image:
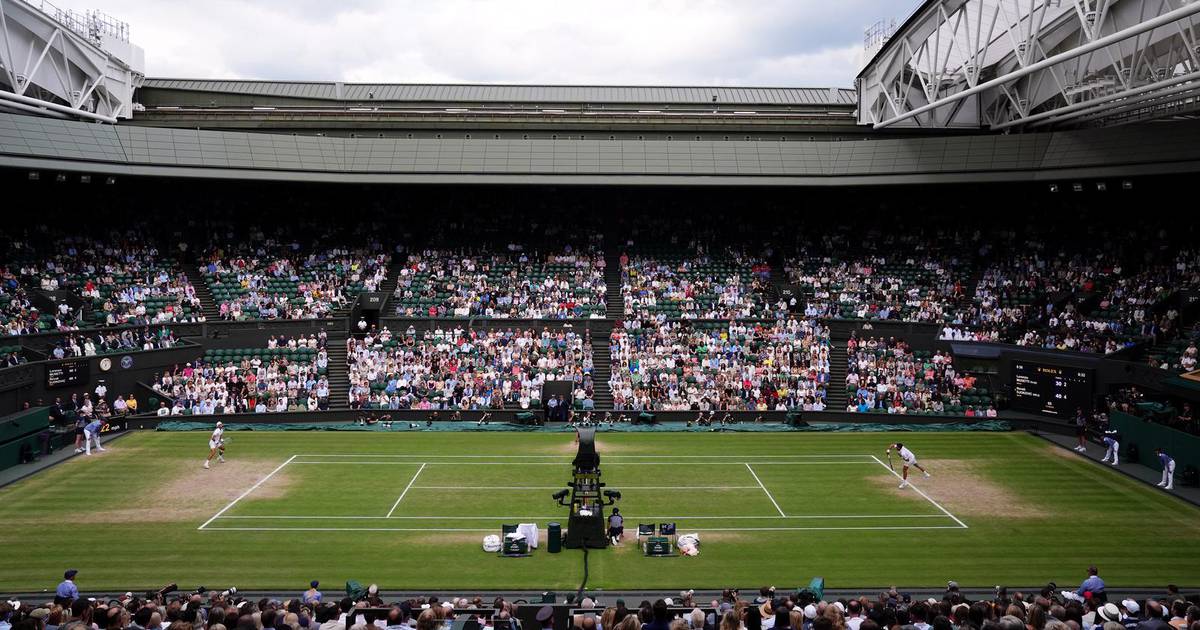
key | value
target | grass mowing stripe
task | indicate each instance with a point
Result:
(920, 492)
(1041, 495)
(244, 494)
(764, 489)
(410, 485)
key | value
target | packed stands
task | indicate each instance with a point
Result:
(98, 343)
(1178, 355)
(1049, 608)
(720, 365)
(667, 285)
(121, 278)
(461, 368)
(874, 287)
(566, 284)
(17, 314)
(886, 376)
(288, 285)
(287, 377)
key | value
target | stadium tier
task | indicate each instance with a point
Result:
(923, 353)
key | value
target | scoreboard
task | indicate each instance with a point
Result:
(1051, 389)
(66, 374)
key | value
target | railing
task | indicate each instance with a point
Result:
(90, 24)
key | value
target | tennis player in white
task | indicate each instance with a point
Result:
(908, 458)
(216, 445)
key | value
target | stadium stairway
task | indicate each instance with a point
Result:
(601, 372)
(614, 305)
(339, 373)
(835, 395)
(208, 304)
(389, 286)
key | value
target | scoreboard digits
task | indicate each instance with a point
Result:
(66, 374)
(1051, 389)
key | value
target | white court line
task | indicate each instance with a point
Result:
(811, 529)
(244, 494)
(569, 459)
(448, 529)
(550, 518)
(568, 486)
(920, 492)
(764, 489)
(608, 465)
(406, 489)
(347, 529)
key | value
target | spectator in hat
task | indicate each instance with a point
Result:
(1107, 613)
(67, 592)
(766, 611)
(1132, 614)
(312, 595)
(545, 616)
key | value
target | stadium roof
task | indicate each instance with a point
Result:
(1002, 64)
(60, 145)
(338, 91)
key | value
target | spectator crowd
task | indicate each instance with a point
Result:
(1089, 607)
(460, 368)
(729, 366)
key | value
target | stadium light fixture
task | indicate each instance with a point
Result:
(1053, 188)
(85, 179)
(110, 181)
(34, 176)
(1126, 185)
(60, 178)
(1077, 187)
(1101, 187)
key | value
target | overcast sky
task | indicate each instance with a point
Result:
(814, 43)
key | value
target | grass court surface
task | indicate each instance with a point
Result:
(408, 511)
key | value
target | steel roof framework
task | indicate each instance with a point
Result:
(63, 64)
(1003, 64)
